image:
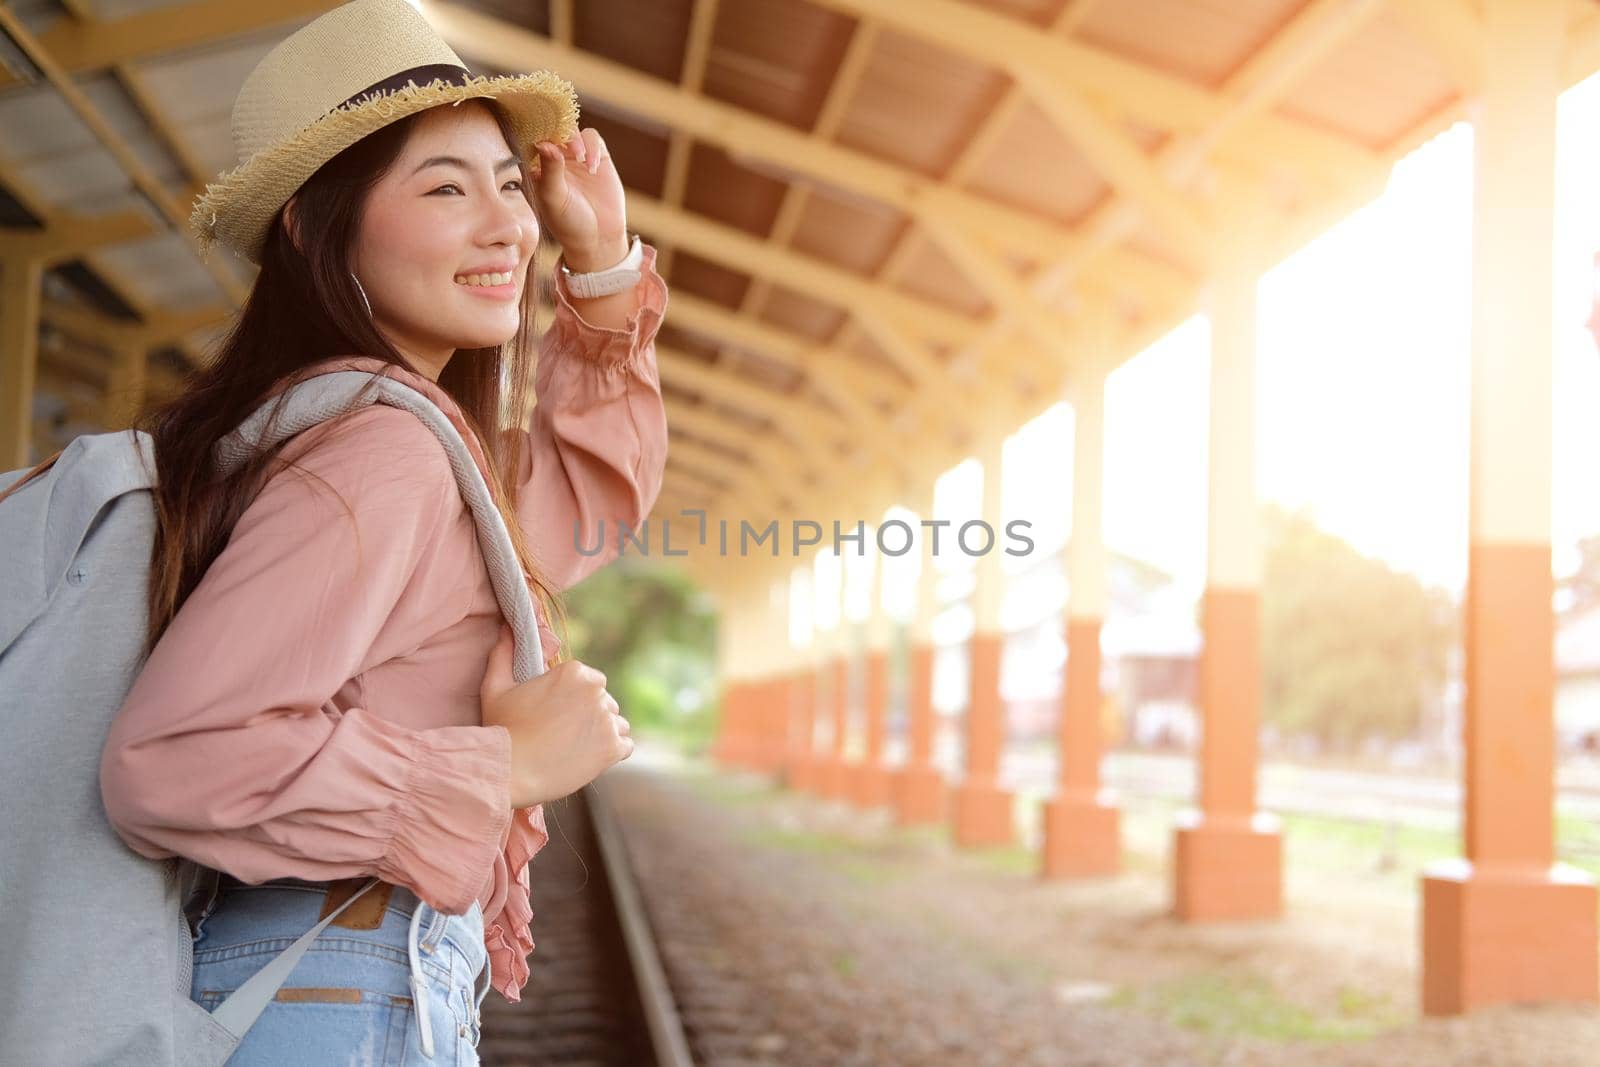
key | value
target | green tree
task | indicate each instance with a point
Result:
(1351, 648)
(653, 633)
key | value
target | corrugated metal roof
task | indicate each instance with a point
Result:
(915, 174)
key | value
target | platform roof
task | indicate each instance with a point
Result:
(890, 227)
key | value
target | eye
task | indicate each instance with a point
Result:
(514, 183)
(446, 185)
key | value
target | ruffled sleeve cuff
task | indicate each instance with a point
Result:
(452, 822)
(611, 348)
(509, 938)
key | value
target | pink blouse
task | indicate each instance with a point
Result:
(312, 711)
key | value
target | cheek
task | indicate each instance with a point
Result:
(405, 262)
(529, 246)
(528, 219)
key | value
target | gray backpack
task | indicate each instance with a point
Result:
(98, 951)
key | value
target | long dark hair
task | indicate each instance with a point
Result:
(304, 307)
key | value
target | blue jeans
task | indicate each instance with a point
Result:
(356, 996)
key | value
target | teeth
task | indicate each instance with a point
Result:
(498, 278)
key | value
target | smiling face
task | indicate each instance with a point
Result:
(445, 239)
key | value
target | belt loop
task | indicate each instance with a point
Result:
(437, 920)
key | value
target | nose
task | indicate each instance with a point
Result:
(506, 221)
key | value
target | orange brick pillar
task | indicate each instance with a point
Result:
(853, 607)
(828, 616)
(770, 655)
(745, 750)
(731, 742)
(983, 811)
(775, 754)
(724, 746)
(1228, 858)
(1082, 835)
(871, 784)
(920, 795)
(1508, 923)
(801, 748)
(813, 772)
(803, 693)
(767, 748)
(832, 779)
(773, 723)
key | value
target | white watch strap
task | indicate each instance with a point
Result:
(624, 275)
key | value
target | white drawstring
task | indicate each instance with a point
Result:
(477, 1008)
(419, 986)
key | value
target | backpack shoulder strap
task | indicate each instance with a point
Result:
(326, 396)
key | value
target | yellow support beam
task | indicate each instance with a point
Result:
(817, 277)
(774, 457)
(810, 421)
(86, 46)
(66, 237)
(1123, 165)
(1152, 97)
(1453, 31)
(696, 52)
(699, 315)
(127, 387)
(20, 281)
(143, 178)
(748, 135)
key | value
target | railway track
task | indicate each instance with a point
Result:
(597, 995)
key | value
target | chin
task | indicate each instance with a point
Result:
(484, 338)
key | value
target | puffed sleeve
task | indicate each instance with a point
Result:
(596, 448)
(229, 749)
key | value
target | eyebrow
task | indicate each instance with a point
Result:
(457, 161)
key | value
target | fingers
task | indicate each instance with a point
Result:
(581, 672)
(585, 147)
(614, 709)
(594, 149)
(548, 161)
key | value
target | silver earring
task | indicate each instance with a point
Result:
(363, 293)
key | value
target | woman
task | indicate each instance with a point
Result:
(327, 696)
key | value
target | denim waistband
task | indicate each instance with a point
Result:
(405, 903)
(401, 899)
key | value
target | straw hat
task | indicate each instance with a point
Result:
(347, 73)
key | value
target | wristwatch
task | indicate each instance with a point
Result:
(615, 279)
